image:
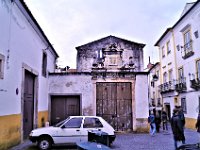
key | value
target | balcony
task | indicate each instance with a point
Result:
(180, 85)
(166, 87)
(194, 82)
(187, 50)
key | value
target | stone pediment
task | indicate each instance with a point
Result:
(109, 41)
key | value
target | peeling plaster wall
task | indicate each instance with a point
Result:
(82, 84)
(75, 85)
(86, 54)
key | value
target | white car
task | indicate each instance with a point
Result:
(72, 130)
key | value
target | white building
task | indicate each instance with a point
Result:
(155, 100)
(26, 57)
(109, 82)
(180, 63)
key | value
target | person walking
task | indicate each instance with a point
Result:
(151, 120)
(164, 121)
(177, 128)
(157, 122)
(182, 117)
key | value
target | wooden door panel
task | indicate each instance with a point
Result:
(115, 105)
(63, 107)
(28, 110)
(57, 109)
(72, 106)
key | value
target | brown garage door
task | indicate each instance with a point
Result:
(63, 107)
(114, 104)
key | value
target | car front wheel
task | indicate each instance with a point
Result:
(44, 143)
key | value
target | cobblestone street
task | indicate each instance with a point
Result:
(130, 141)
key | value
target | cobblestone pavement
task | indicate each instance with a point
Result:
(132, 141)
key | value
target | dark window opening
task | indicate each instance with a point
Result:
(44, 64)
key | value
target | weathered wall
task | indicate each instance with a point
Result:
(10, 126)
(75, 85)
(86, 54)
(82, 84)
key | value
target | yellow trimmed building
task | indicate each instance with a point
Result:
(26, 56)
(179, 53)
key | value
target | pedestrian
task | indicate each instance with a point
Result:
(164, 121)
(197, 125)
(182, 117)
(157, 122)
(177, 128)
(151, 120)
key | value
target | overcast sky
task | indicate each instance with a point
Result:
(71, 23)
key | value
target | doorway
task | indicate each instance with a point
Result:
(28, 107)
(114, 104)
(63, 107)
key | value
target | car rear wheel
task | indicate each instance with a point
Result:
(44, 143)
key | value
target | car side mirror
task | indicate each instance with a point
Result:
(62, 127)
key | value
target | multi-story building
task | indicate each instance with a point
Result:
(180, 63)
(109, 82)
(155, 101)
(26, 57)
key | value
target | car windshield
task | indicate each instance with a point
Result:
(60, 123)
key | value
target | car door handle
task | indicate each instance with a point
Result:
(77, 130)
(99, 129)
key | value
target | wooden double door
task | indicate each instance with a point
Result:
(114, 104)
(63, 107)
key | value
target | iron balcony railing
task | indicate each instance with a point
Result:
(195, 81)
(187, 51)
(180, 85)
(167, 87)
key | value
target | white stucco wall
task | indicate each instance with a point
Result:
(75, 85)
(20, 43)
(192, 21)
(141, 96)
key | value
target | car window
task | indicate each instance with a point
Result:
(73, 123)
(92, 123)
(60, 123)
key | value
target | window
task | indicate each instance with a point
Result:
(159, 102)
(157, 73)
(152, 84)
(183, 104)
(187, 40)
(74, 123)
(2, 60)
(44, 64)
(163, 51)
(168, 47)
(198, 68)
(99, 54)
(170, 75)
(165, 77)
(92, 123)
(154, 95)
(180, 74)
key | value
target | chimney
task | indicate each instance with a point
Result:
(149, 64)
